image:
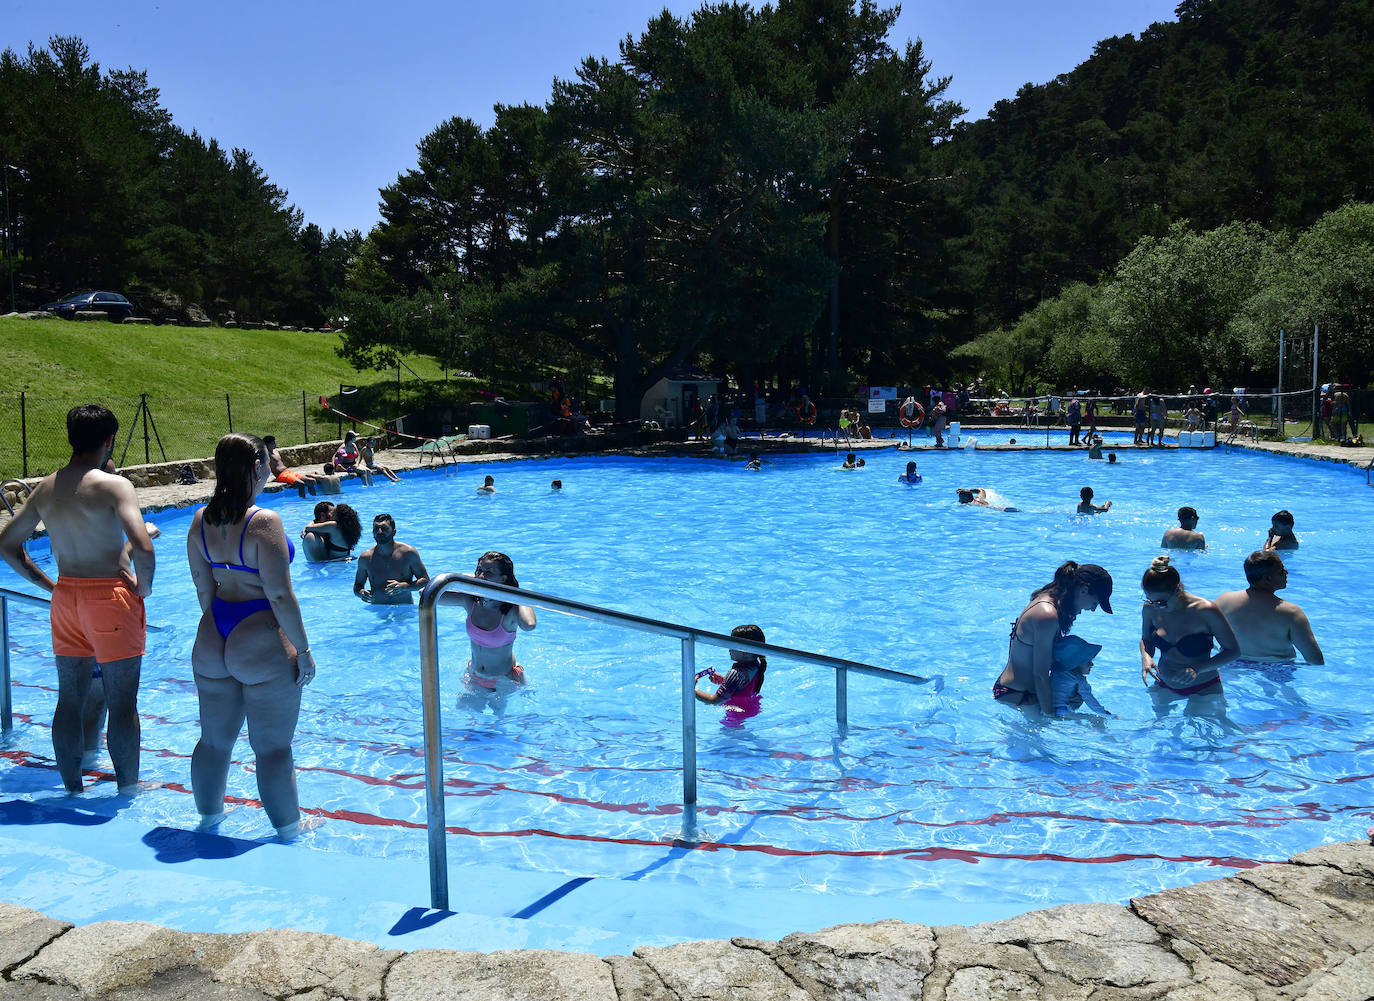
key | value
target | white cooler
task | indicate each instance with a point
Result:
(476, 431)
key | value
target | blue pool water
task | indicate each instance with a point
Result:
(939, 806)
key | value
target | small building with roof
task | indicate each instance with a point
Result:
(671, 400)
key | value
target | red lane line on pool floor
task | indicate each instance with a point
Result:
(913, 854)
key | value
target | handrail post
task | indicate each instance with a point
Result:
(6, 704)
(689, 739)
(434, 758)
(842, 700)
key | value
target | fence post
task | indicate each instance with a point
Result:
(230, 411)
(24, 432)
(305, 422)
(340, 404)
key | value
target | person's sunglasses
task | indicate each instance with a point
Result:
(1157, 602)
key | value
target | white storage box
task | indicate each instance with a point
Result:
(1185, 439)
(479, 431)
(1209, 438)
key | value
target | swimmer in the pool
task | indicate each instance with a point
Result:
(492, 672)
(393, 568)
(488, 486)
(1178, 631)
(333, 533)
(849, 462)
(1281, 535)
(979, 497)
(745, 677)
(1086, 505)
(910, 477)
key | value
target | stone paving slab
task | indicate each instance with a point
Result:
(1297, 931)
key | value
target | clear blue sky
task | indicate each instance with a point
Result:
(332, 98)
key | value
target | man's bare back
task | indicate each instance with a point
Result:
(88, 514)
(1268, 627)
(1182, 538)
(97, 608)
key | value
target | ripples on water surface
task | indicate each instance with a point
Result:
(937, 790)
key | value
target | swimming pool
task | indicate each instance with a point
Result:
(940, 806)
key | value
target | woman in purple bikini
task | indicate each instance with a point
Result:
(492, 672)
(251, 657)
(1177, 633)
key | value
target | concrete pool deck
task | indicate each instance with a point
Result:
(1299, 930)
(1284, 931)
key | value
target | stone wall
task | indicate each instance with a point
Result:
(1302, 931)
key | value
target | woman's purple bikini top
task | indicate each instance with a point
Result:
(240, 565)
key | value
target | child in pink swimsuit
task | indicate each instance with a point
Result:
(492, 672)
(738, 690)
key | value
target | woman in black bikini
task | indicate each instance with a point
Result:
(1026, 678)
(1177, 633)
(333, 536)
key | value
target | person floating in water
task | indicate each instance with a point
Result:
(739, 689)
(979, 497)
(492, 672)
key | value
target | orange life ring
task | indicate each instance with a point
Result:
(914, 408)
(809, 414)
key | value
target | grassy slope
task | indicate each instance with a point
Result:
(186, 372)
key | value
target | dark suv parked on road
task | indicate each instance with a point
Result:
(118, 307)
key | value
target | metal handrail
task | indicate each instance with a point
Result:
(6, 596)
(689, 637)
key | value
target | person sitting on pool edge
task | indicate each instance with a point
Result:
(1268, 627)
(492, 673)
(333, 536)
(745, 678)
(1281, 532)
(910, 477)
(1086, 505)
(1186, 536)
(1073, 659)
(368, 460)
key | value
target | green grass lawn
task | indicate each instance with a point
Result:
(273, 381)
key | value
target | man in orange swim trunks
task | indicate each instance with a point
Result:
(97, 602)
(301, 481)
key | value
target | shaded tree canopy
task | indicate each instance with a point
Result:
(108, 193)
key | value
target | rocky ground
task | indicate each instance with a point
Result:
(1300, 930)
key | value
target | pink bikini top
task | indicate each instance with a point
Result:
(496, 636)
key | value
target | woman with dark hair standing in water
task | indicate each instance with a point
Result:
(1030, 653)
(251, 656)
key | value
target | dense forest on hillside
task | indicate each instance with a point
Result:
(780, 194)
(1243, 110)
(105, 191)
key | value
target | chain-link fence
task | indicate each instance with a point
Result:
(33, 429)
